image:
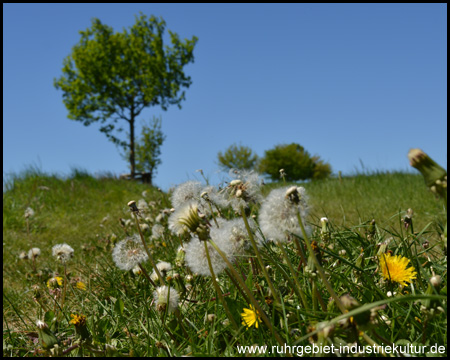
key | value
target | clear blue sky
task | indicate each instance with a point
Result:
(351, 83)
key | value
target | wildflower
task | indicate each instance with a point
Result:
(29, 213)
(144, 228)
(143, 206)
(433, 173)
(81, 285)
(394, 269)
(325, 232)
(129, 252)
(185, 193)
(23, 255)
(46, 337)
(137, 270)
(197, 260)
(163, 268)
(234, 233)
(436, 281)
(34, 253)
(188, 219)
(177, 220)
(165, 298)
(157, 231)
(250, 317)
(62, 252)
(243, 190)
(210, 195)
(278, 213)
(55, 282)
(79, 321)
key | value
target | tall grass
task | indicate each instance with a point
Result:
(91, 215)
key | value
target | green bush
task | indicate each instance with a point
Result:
(297, 163)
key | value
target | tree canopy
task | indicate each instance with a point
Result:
(237, 157)
(111, 77)
(297, 163)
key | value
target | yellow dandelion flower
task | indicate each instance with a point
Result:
(78, 320)
(81, 285)
(250, 317)
(55, 282)
(394, 269)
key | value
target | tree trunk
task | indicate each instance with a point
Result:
(132, 159)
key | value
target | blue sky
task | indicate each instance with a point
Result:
(352, 83)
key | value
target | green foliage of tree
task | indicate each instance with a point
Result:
(111, 77)
(297, 163)
(321, 170)
(237, 157)
(148, 149)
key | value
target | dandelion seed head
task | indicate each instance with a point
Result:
(157, 231)
(176, 219)
(245, 189)
(29, 213)
(166, 298)
(436, 281)
(129, 253)
(234, 233)
(197, 261)
(137, 270)
(186, 192)
(278, 214)
(163, 267)
(34, 253)
(41, 325)
(62, 252)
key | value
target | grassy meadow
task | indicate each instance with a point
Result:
(344, 281)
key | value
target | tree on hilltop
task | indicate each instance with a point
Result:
(296, 162)
(237, 157)
(111, 77)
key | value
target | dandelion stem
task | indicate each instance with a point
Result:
(300, 250)
(213, 215)
(161, 279)
(237, 285)
(217, 287)
(146, 275)
(258, 255)
(250, 295)
(65, 287)
(318, 267)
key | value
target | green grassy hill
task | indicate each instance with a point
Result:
(91, 215)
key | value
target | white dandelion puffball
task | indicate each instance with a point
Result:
(197, 261)
(163, 267)
(34, 253)
(186, 192)
(165, 298)
(278, 214)
(129, 253)
(29, 212)
(234, 233)
(62, 252)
